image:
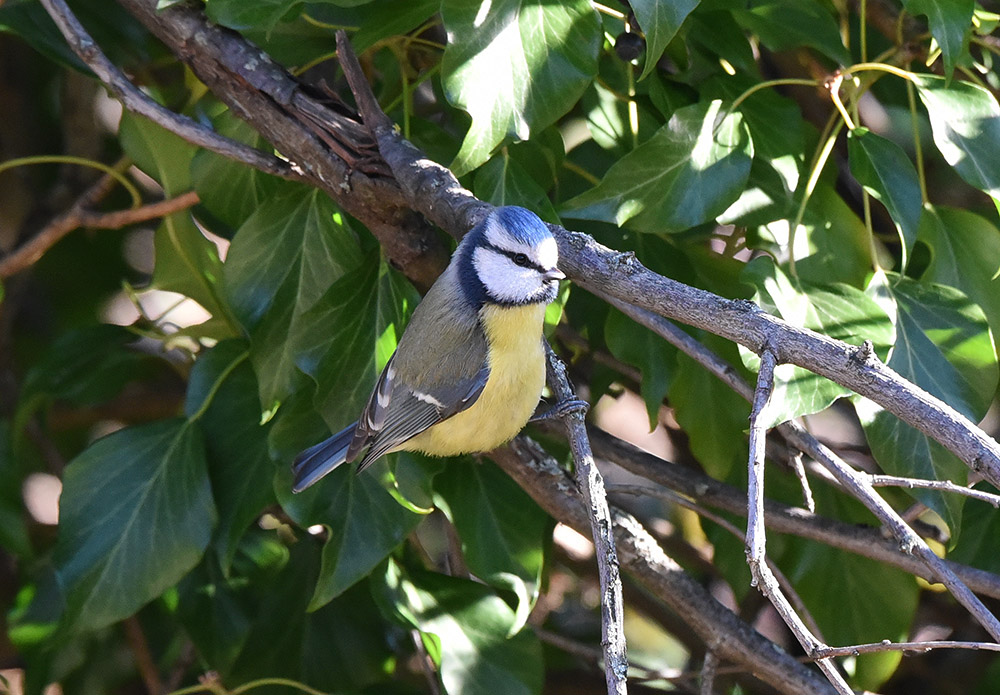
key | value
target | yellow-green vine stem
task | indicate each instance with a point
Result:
(203, 408)
(114, 172)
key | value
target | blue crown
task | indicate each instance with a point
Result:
(523, 225)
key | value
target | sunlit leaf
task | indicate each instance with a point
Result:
(885, 171)
(784, 24)
(501, 528)
(659, 22)
(515, 66)
(965, 121)
(362, 519)
(688, 173)
(943, 345)
(839, 311)
(950, 23)
(469, 627)
(283, 259)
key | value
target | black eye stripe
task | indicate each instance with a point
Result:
(513, 255)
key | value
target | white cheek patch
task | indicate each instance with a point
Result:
(504, 281)
(547, 253)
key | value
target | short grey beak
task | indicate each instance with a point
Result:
(554, 274)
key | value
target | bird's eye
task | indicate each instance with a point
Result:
(520, 259)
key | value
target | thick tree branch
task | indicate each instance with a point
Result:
(332, 149)
(723, 632)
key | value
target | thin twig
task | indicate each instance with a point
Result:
(856, 483)
(795, 461)
(426, 663)
(725, 524)
(591, 484)
(887, 646)
(84, 46)
(79, 216)
(143, 657)
(942, 485)
(756, 548)
(719, 628)
(708, 670)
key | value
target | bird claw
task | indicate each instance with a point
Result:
(561, 410)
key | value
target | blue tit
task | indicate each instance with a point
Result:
(469, 370)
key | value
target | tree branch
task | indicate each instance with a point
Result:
(722, 631)
(79, 216)
(136, 101)
(591, 484)
(763, 578)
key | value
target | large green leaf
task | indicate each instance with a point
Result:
(350, 333)
(342, 647)
(515, 66)
(839, 311)
(965, 253)
(230, 190)
(502, 530)
(784, 24)
(136, 514)
(965, 121)
(885, 171)
(186, 261)
(980, 530)
(283, 259)
(362, 519)
(886, 598)
(830, 246)
(466, 626)
(652, 355)
(950, 23)
(688, 173)
(717, 441)
(503, 181)
(943, 344)
(239, 465)
(659, 22)
(260, 14)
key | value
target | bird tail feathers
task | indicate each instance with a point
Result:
(319, 459)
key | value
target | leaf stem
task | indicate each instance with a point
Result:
(771, 83)
(918, 148)
(817, 169)
(210, 396)
(114, 172)
(834, 87)
(881, 67)
(863, 12)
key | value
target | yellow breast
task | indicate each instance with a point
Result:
(517, 376)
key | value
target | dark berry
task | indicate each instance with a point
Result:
(629, 46)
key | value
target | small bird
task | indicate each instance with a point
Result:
(469, 370)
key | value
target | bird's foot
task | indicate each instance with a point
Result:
(561, 410)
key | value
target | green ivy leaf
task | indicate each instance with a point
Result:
(136, 514)
(501, 528)
(391, 18)
(466, 626)
(885, 171)
(239, 465)
(980, 529)
(242, 16)
(345, 340)
(280, 264)
(784, 24)
(839, 311)
(342, 647)
(943, 345)
(688, 173)
(515, 66)
(950, 22)
(659, 22)
(230, 190)
(965, 254)
(362, 519)
(503, 181)
(717, 441)
(886, 597)
(186, 261)
(965, 122)
(652, 355)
